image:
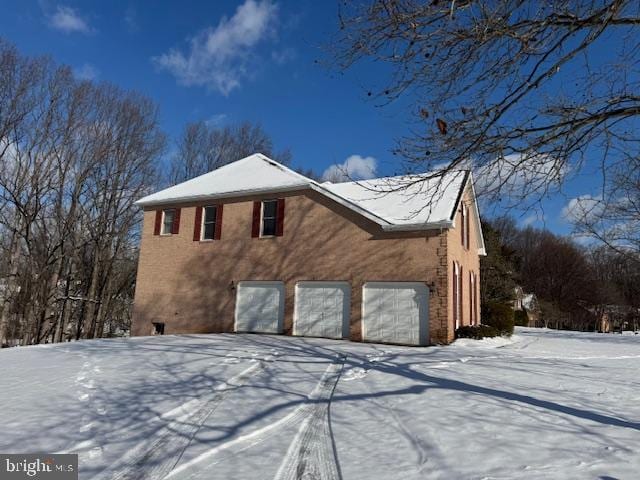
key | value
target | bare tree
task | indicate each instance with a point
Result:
(202, 148)
(527, 92)
(73, 158)
(612, 217)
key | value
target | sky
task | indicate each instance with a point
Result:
(264, 61)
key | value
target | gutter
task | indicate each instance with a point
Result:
(418, 226)
(237, 193)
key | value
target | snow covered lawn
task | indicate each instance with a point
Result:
(545, 404)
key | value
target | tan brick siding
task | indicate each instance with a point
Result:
(190, 285)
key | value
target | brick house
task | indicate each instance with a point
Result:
(256, 247)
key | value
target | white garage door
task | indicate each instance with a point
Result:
(260, 307)
(322, 309)
(395, 312)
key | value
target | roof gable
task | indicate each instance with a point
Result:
(253, 174)
(407, 202)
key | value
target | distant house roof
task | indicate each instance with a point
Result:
(409, 202)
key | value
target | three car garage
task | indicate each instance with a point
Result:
(392, 312)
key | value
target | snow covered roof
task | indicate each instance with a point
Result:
(408, 202)
(253, 174)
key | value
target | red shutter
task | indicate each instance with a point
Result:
(255, 228)
(455, 295)
(467, 227)
(175, 228)
(280, 218)
(461, 277)
(470, 298)
(158, 224)
(462, 225)
(476, 307)
(218, 231)
(197, 225)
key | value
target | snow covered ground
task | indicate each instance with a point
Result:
(544, 404)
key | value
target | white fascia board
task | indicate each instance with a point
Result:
(417, 226)
(481, 250)
(240, 193)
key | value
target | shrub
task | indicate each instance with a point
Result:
(477, 332)
(521, 318)
(499, 316)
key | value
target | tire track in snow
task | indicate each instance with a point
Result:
(319, 396)
(154, 459)
(312, 453)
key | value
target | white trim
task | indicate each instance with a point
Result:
(232, 194)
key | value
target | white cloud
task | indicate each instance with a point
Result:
(355, 167)
(68, 20)
(529, 220)
(216, 120)
(283, 56)
(131, 19)
(582, 208)
(218, 58)
(86, 72)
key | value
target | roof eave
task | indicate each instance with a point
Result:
(239, 193)
(397, 227)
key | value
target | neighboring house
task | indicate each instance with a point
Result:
(528, 303)
(615, 318)
(256, 247)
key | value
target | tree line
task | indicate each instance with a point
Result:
(574, 284)
(74, 157)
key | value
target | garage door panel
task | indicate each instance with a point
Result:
(260, 307)
(322, 309)
(395, 312)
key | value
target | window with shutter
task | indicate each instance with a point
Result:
(269, 218)
(168, 216)
(209, 222)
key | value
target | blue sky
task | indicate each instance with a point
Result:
(228, 61)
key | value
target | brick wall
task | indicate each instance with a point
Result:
(190, 285)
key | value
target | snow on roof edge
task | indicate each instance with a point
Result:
(309, 183)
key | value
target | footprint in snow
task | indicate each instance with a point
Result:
(87, 427)
(95, 452)
(355, 373)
